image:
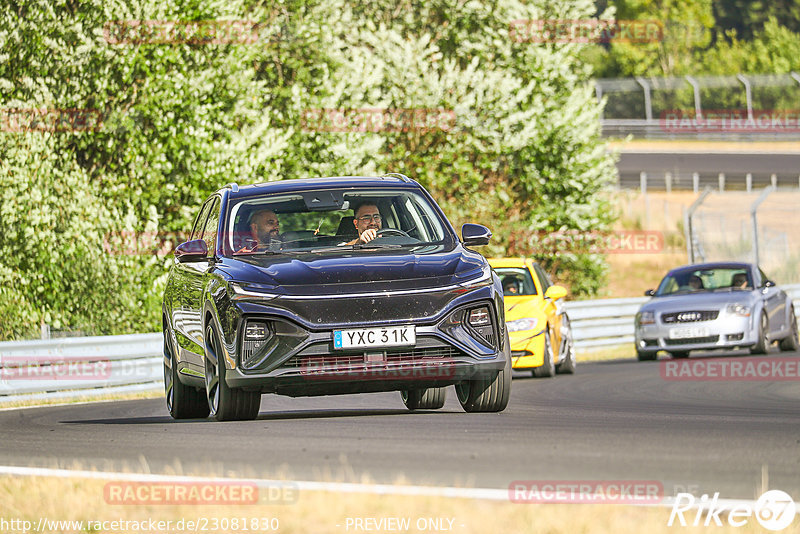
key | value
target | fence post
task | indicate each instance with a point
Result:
(695, 182)
(749, 181)
(698, 109)
(748, 95)
(648, 106)
(643, 182)
(773, 178)
(688, 223)
(754, 216)
(721, 182)
(668, 181)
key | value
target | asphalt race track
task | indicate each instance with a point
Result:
(615, 420)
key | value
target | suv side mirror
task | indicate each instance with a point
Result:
(769, 283)
(195, 250)
(555, 292)
(475, 234)
(649, 293)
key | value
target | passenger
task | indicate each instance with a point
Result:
(510, 288)
(695, 283)
(264, 231)
(739, 281)
(367, 220)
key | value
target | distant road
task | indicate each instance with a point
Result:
(735, 165)
(616, 420)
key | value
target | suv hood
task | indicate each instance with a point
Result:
(355, 271)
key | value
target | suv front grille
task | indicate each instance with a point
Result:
(374, 359)
(689, 316)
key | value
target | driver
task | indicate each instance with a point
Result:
(367, 220)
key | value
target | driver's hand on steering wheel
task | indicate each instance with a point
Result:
(368, 235)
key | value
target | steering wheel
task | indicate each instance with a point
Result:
(391, 231)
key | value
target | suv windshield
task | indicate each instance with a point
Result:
(708, 279)
(324, 219)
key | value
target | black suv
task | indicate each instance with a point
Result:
(324, 307)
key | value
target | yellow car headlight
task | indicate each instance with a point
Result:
(527, 323)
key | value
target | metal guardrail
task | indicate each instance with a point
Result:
(92, 366)
(85, 366)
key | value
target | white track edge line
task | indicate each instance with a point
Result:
(491, 494)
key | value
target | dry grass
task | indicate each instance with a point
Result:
(710, 146)
(32, 498)
(82, 399)
(616, 352)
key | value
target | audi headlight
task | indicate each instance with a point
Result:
(527, 323)
(647, 317)
(739, 309)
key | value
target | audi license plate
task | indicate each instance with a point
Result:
(391, 336)
(684, 333)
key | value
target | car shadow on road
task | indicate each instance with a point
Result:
(262, 416)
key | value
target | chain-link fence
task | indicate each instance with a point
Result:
(724, 228)
(744, 106)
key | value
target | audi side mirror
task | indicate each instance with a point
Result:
(475, 234)
(195, 250)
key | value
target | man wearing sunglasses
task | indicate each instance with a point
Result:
(367, 221)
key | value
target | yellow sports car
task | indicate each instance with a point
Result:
(539, 329)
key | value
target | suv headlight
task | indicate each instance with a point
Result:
(647, 317)
(527, 323)
(739, 309)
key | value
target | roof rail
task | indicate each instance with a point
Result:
(397, 175)
(234, 186)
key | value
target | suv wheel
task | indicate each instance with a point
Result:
(183, 402)
(225, 403)
(487, 394)
(424, 399)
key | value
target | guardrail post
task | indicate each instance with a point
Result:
(695, 182)
(643, 182)
(754, 216)
(748, 179)
(721, 182)
(45, 331)
(668, 181)
(773, 178)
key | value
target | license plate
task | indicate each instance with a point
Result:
(391, 336)
(683, 333)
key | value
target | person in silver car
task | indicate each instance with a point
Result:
(725, 305)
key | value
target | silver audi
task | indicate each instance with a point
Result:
(706, 306)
